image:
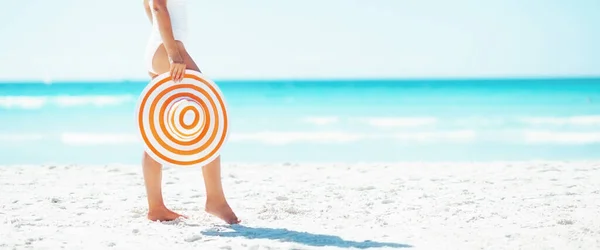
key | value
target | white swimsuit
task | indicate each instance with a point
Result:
(178, 15)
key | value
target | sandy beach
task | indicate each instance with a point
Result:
(519, 205)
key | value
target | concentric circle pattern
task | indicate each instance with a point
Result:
(184, 123)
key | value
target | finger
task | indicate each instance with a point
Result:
(182, 72)
(178, 74)
(175, 74)
(172, 72)
(183, 67)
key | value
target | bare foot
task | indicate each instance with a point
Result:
(163, 214)
(223, 211)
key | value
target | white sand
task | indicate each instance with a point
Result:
(535, 205)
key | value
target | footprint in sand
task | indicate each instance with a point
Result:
(565, 222)
(193, 238)
(365, 188)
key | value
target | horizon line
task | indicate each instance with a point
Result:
(312, 79)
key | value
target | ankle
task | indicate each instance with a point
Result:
(216, 200)
(156, 208)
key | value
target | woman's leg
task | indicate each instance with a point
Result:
(216, 204)
(157, 211)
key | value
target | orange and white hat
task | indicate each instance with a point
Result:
(184, 123)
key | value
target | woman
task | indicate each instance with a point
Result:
(166, 53)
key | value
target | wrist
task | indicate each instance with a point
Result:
(175, 59)
(173, 54)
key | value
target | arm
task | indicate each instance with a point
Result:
(148, 10)
(164, 25)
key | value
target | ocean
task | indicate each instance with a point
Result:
(319, 121)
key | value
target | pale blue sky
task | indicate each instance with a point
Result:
(230, 39)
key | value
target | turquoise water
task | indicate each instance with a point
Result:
(317, 121)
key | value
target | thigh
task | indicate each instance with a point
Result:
(160, 61)
(187, 58)
(161, 64)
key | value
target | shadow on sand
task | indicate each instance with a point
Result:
(308, 239)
